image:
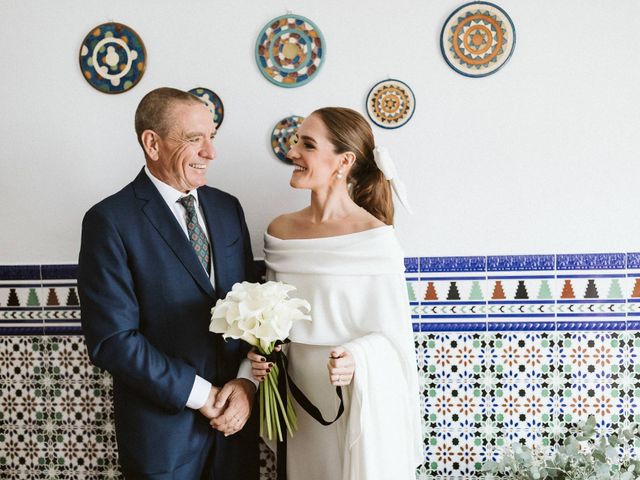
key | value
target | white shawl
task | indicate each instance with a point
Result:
(355, 284)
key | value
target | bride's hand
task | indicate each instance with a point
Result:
(260, 368)
(341, 367)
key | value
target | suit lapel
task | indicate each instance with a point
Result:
(165, 223)
(217, 230)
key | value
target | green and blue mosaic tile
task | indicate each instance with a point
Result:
(509, 348)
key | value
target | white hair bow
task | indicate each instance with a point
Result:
(384, 162)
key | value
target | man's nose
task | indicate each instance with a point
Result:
(209, 151)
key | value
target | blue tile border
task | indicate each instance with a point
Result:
(19, 272)
(591, 325)
(63, 330)
(59, 272)
(591, 261)
(633, 260)
(453, 264)
(411, 264)
(510, 263)
(521, 326)
(30, 330)
(62, 315)
(453, 327)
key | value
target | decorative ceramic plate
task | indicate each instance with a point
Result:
(477, 39)
(112, 58)
(390, 103)
(290, 50)
(214, 104)
(283, 134)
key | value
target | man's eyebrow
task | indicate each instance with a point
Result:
(194, 133)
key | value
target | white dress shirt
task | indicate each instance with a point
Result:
(201, 387)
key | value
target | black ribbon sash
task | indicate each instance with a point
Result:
(280, 359)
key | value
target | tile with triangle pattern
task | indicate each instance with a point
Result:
(450, 294)
(592, 290)
(522, 292)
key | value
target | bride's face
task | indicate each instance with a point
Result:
(315, 163)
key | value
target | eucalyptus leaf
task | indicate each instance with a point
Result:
(582, 456)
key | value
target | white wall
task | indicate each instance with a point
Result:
(539, 158)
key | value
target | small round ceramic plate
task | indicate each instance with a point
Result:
(290, 50)
(283, 134)
(112, 58)
(390, 103)
(478, 39)
(213, 101)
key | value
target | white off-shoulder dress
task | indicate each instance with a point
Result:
(355, 284)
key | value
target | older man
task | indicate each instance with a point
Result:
(154, 259)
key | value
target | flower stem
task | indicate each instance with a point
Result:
(267, 398)
(279, 400)
(274, 394)
(261, 401)
(293, 418)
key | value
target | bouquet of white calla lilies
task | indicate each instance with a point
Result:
(261, 315)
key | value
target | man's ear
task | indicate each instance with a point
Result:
(150, 144)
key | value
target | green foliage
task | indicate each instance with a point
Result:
(582, 456)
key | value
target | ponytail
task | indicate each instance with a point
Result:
(371, 191)
(348, 131)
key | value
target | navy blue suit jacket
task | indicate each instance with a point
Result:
(146, 304)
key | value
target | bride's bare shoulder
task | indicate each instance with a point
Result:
(283, 225)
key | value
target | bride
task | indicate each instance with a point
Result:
(342, 254)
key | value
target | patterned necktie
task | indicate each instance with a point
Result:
(197, 237)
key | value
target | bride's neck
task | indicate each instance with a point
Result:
(331, 205)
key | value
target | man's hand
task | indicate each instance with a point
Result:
(208, 409)
(235, 400)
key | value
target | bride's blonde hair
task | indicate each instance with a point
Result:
(348, 131)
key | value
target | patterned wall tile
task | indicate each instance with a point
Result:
(632, 292)
(591, 261)
(453, 264)
(454, 384)
(521, 263)
(528, 297)
(22, 450)
(21, 300)
(56, 417)
(480, 391)
(592, 291)
(569, 292)
(450, 294)
(39, 299)
(485, 380)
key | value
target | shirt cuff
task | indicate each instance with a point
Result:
(245, 372)
(199, 393)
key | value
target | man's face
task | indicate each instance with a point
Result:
(185, 152)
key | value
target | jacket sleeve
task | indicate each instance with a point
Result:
(250, 268)
(110, 320)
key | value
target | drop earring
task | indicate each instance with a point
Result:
(339, 174)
